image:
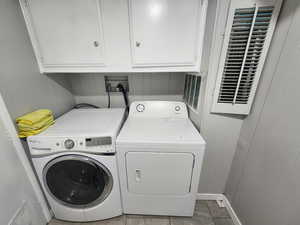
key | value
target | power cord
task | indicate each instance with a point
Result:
(85, 105)
(123, 90)
(108, 98)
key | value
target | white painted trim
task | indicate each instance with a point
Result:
(224, 201)
(207, 196)
(34, 42)
(7, 121)
(120, 69)
(201, 35)
(231, 212)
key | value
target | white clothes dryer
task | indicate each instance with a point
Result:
(160, 156)
(76, 164)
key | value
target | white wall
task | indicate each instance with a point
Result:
(90, 88)
(250, 123)
(15, 187)
(220, 131)
(263, 185)
(23, 88)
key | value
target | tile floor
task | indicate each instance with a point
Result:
(206, 213)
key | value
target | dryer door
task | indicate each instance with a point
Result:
(77, 181)
(159, 173)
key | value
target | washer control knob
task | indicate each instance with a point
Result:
(69, 144)
(140, 108)
(177, 108)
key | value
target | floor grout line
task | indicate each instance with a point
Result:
(209, 210)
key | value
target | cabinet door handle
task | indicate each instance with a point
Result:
(137, 44)
(96, 43)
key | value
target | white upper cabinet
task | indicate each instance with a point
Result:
(67, 33)
(164, 32)
(116, 36)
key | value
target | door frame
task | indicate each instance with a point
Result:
(9, 126)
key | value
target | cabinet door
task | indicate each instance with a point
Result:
(67, 32)
(164, 32)
(154, 173)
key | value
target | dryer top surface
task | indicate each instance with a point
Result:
(159, 131)
(159, 123)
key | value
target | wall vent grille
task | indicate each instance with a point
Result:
(247, 38)
(249, 30)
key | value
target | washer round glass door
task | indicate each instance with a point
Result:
(77, 181)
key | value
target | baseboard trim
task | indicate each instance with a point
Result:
(222, 201)
(231, 212)
(206, 196)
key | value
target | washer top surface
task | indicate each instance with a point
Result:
(86, 122)
(163, 123)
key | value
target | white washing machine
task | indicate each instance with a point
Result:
(160, 155)
(76, 164)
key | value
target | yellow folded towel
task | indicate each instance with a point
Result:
(34, 123)
(34, 117)
(23, 133)
(37, 125)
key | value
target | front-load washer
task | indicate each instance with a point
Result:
(75, 160)
(160, 155)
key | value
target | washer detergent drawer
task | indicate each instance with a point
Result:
(159, 173)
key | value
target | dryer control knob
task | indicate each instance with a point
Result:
(140, 108)
(177, 108)
(69, 144)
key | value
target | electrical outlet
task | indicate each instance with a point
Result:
(111, 83)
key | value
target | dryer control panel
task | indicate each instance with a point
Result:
(158, 109)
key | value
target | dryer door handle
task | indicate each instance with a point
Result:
(138, 175)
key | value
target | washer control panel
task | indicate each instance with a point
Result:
(97, 141)
(49, 145)
(69, 144)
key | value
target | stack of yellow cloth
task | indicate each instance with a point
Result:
(34, 123)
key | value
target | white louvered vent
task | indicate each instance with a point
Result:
(246, 42)
(192, 88)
